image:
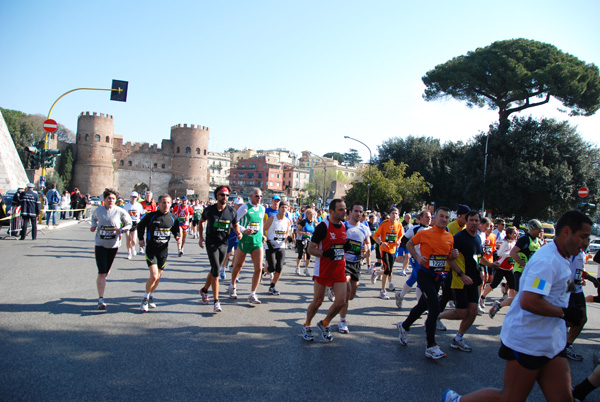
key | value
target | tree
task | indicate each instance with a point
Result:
(318, 187)
(513, 75)
(65, 166)
(390, 185)
(335, 155)
(534, 170)
(352, 158)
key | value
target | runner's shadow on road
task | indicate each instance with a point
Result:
(82, 307)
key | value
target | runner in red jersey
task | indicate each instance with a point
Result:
(184, 213)
(327, 244)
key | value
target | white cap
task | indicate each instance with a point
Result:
(134, 194)
(238, 201)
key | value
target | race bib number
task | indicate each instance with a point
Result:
(355, 247)
(487, 250)
(221, 225)
(107, 232)
(279, 235)
(339, 252)
(133, 213)
(437, 263)
(162, 235)
(254, 226)
(391, 238)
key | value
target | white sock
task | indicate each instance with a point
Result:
(252, 294)
(148, 295)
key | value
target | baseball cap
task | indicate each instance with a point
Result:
(184, 198)
(462, 209)
(276, 197)
(238, 201)
(30, 185)
(134, 194)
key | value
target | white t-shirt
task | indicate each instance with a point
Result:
(356, 236)
(277, 232)
(547, 274)
(411, 232)
(577, 263)
(135, 211)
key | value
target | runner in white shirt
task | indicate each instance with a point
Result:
(534, 333)
(135, 211)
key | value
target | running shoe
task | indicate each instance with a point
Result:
(343, 327)
(298, 271)
(204, 295)
(151, 302)
(480, 311)
(572, 355)
(391, 287)
(222, 273)
(273, 291)
(383, 294)
(306, 272)
(232, 292)
(461, 345)
(180, 253)
(439, 325)
(504, 297)
(482, 303)
(330, 294)
(399, 300)
(141, 250)
(495, 308)
(403, 334)
(402, 273)
(307, 334)
(435, 353)
(596, 358)
(370, 269)
(144, 306)
(129, 255)
(325, 331)
(133, 251)
(252, 299)
(217, 308)
(450, 396)
(451, 304)
(374, 277)
(101, 304)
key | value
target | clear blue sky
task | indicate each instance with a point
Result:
(266, 74)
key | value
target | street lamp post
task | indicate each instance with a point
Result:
(370, 162)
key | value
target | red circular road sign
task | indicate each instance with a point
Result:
(50, 125)
(583, 192)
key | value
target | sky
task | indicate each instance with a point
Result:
(273, 74)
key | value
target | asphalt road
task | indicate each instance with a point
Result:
(55, 345)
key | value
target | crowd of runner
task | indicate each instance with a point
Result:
(455, 265)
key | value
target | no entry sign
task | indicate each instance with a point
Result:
(583, 192)
(50, 126)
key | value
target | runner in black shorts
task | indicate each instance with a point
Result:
(222, 219)
(158, 227)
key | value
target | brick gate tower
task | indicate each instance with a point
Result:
(190, 161)
(93, 170)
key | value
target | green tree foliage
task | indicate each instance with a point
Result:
(335, 155)
(390, 185)
(65, 166)
(352, 158)
(438, 164)
(319, 186)
(513, 75)
(534, 170)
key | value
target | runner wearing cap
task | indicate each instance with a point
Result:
(197, 208)
(135, 211)
(278, 229)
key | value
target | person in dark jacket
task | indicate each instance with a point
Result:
(76, 199)
(30, 210)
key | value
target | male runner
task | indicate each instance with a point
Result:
(388, 236)
(466, 280)
(135, 211)
(184, 213)
(222, 219)
(402, 253)
(232, 241)
(278, 228)
(327, 244)
(149, 205)
(251, 218)
(436, 249)
(534, 333)
(160, 225)
(197, 207)
(358, 243)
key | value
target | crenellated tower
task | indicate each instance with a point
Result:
(190, 161)
(94, 170)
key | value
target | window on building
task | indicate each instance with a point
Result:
(97, 137)
(252, 166)
(243, 166)
(128, 163)
(250, 183)
(272, 174)
(259, 184)
(155, 165)
(162, 166)
(205, 152)
(250, 175)
(108, 139)
(122, 162)
(177, 149)
(278, 176)
(188, 150)
(241, 175)
(277, 184)
(260, 175)
(198, 153)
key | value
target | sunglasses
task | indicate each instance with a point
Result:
(224, 194)
(256, 195)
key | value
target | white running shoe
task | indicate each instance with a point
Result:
(403, 335)
(306, 272)
(374, 277)
(399, 299)
(391, 287)
(232, 292)
(480, 311)
(141, 251)
(298, 271)
(101, 304)
(330, 294)
(252, 299)
(217, 307)
(151, 302)
(129, 255)
(482, 303)
(435, 353)
(307, 334)
(370, 269)
(273, 291)
(383, 294)
(133, 250)
(144, 306)
(343, 327)
(204, 295)
(450, 396)
(325, 331)
(461, 345)
(439, 325)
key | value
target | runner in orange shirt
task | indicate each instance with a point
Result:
(388, 236)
